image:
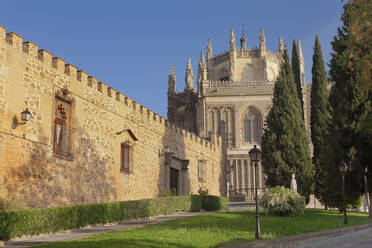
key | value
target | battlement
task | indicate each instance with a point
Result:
(236, 84)
(120, 100)
(221, 57)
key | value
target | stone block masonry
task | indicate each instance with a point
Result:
(87, 142)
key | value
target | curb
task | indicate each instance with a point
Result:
(301, 239)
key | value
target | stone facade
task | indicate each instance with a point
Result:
(232, 99)
(71, 150)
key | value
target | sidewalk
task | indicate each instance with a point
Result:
(93, 230)
(309, 240)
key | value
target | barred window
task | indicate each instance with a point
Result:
(62, 145)
(124, 158)
(201, 170)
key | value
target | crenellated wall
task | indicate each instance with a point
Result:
(102, 119)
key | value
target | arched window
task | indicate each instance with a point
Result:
(248, 73)
(215, 120)
(223, 75)
(252, 127)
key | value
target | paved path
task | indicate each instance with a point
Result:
(90, 231)
(357, 239)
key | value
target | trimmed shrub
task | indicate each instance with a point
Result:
(282, 201)
(46, 220)
(213, 203)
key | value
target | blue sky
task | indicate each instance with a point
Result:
(130, 45)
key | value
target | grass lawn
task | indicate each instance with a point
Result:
(215, 229)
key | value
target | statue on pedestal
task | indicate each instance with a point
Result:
(293, 183)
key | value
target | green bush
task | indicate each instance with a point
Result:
(213, 203)
(44, 220)
(282, 201)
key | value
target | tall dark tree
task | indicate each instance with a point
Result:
(350, 99)
(319, 114)
(296, 67)
(285, 145)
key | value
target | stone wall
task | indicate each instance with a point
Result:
(102, 119)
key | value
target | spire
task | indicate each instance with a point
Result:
(171, 81)
(209, 50)
(302, 62)
(202, 68)
(281, 45)
(189, 77)
(232, 40)
(201, 61)
(262, 43)
(243, 40)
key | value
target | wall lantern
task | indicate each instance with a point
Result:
(26, 115)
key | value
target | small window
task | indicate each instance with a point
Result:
(200, 170)
(125, 160)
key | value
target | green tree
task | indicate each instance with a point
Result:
(285, 145)
(350, 100)
(319, 114)
(297, 74)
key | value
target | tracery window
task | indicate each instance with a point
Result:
(62, 128)
(252, 127)
(223, 75)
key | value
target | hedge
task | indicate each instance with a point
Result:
(47, 220)
(213, 203)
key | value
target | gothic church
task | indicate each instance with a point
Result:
(232, 99)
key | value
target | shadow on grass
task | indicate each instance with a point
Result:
(116, 243)
(216, 230)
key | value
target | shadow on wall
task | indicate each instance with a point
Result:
(45, 180)
(174, 176)
(222, 179)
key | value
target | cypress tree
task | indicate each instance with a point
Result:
(319, 114)
(285, 145)
(297, 74)
(350, 101)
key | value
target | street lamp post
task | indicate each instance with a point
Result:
(343, 169)
(255, 156)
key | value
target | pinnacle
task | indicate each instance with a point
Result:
(171, 70)
(262, 34)
(189, 63)
(281, 45)
(201, 57)
(232, 33)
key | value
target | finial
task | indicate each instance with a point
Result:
(209, 50)
(189, 63)
(262, 34)
(189, 77)
(171, 81)
(232, 41)
(243, 40)
(299, 51)
(262, 43)
(201, 56)
(232, 33)
(281, 45)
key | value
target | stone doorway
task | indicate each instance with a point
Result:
(174, 180)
